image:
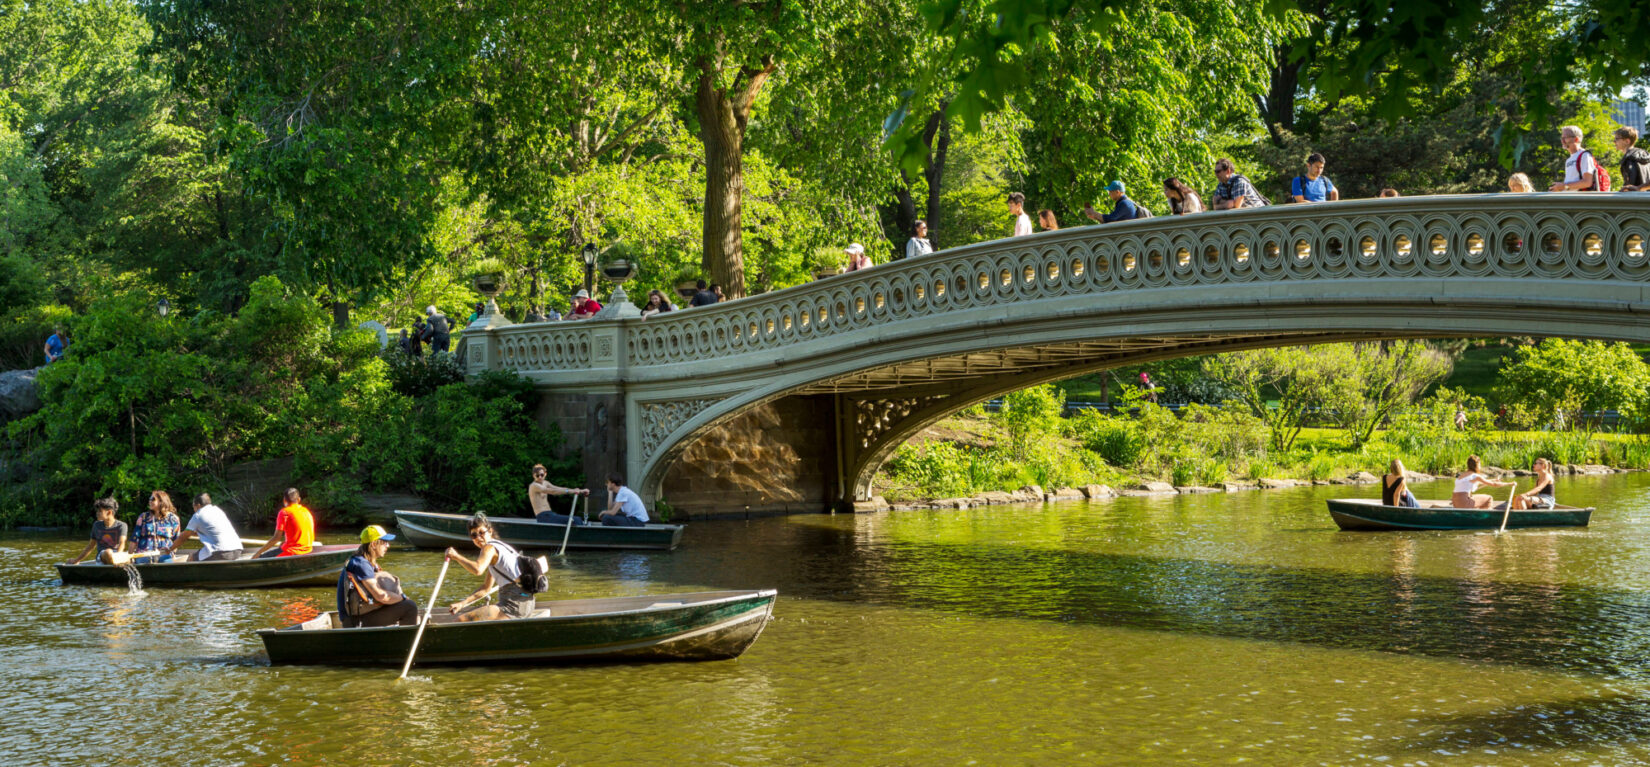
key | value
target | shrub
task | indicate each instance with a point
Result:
(1118, 441)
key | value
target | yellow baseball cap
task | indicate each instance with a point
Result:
(375, 533)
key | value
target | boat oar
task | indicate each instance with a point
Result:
(1508, 512)
(427, 610)
(568, 532)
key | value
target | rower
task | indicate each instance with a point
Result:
(219, 541)
(498, 565)
(539, 492)
(295, 527)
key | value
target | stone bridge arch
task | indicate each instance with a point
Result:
(789, 401)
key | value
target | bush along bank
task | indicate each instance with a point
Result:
(145, 403)
(1028, 453)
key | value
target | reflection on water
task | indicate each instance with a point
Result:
(1145, 630)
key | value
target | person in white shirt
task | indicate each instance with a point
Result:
(219, 541)
(1017, 209)
(1580, 172)
(1470, 480)
(625, 509)
(919, 244)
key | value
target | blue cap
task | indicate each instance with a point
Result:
(1115, 186)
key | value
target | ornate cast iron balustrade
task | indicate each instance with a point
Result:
(1573, 236)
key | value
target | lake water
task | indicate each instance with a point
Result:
(1187, 630)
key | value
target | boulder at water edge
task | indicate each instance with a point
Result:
(19, 395)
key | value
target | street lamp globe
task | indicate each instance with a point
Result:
(163, 306)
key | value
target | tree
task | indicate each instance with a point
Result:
(1031, 413)
(345, 118)
(1375, 380)
(1387, 50)
(1561, 375)
(1301, 379)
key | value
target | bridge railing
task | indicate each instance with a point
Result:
(1569, 236)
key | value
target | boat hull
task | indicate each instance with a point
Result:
(671, 627)
(431, 530)
(319, 567)
(1364, 514)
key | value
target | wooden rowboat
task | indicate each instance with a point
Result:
(1369, 514)
(319, 567)
(430, 530)
(711, 625)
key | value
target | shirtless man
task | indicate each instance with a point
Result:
(539, 492)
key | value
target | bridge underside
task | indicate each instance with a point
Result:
(819, 446)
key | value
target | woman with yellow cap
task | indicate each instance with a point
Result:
(369, 596)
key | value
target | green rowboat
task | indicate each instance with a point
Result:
(430, 530)
(712, 625)
(1369, 514)
(319, 567)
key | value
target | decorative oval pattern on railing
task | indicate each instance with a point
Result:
(1574, 236)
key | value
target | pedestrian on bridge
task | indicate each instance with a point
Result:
(1122, 208)
(1520, 184)
(1182, 198)
(919, 245)
(1017, 209)
(1581, 173)
(1046, 220)
(1314, 186)
(1234, 191)
(857, 259)
(1635, 162)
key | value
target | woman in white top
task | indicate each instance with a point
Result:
(497, 563)
(1468, 481)
(919, 245)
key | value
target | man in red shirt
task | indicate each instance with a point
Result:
(295, 528)
(584, 307)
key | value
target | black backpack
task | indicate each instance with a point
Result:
(1635, 168)
(438, 324)
(533, 578)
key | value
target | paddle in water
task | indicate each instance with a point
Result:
(572, 507)
(427, 610)
(1508, 512)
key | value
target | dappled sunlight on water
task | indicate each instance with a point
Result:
(1183, 630)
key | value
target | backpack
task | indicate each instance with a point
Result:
(356, 601)
(1601, 177)
(1141, 211)
(438, 324)
(534, 578)
(1635, 165)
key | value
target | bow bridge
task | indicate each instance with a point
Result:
(791, 400)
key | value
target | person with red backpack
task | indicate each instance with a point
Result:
(1581, 173)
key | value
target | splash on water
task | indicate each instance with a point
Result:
(134, 580)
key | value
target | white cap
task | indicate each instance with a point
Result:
(582, 293)
(855, 249)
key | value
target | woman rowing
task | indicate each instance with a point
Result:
(1470, 480)
(1540, 496)
(498, 565)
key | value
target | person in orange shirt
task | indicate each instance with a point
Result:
(295, 527)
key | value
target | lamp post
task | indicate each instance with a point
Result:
(163, 306)
(589, 254)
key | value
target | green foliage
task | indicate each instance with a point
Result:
(1575, 377)
(1031, 415)
(23, 335)
(145, 402)
(1118, 441)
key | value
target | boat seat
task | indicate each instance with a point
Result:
(665, 604)
(543, 612)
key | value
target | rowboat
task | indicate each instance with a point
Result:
(1369, 514)
(431, 530)
(710, 625)
(319, 567)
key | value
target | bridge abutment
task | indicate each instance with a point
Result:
(778, 457)
(592, 425)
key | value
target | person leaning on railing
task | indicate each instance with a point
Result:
(1183, 200)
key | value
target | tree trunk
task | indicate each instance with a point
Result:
(340, 315)
(906, 218)
(723, 134)
(723, 115)
(939, 134)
